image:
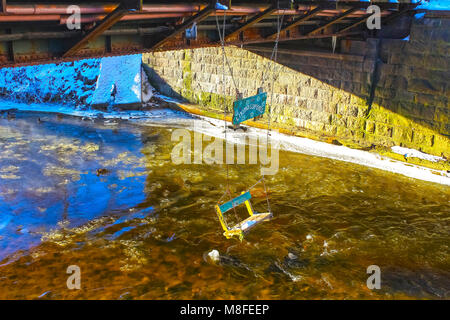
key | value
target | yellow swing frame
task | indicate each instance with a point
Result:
(240, 228)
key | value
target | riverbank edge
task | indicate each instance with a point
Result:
(304, 133)
(370, 159)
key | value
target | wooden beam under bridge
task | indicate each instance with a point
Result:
(356, 23)
(123, 8)
(200, 16)
(297, 22)
(276, 6)
(251, 22)
(339, 18)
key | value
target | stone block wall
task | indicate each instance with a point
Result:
(414, 82)
(374, 92)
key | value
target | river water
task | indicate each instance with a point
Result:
(105, 195)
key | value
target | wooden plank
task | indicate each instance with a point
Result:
(297, 22)
(235, 202)
(105, 24)
(252, 221)
(199, 17)
(252, 21)
(339, 18)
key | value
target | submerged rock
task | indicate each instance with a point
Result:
(152, 138)
(214, 256)
(102, 172)
(297, 263)
(294, 261)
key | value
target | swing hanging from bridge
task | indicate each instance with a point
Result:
(241, 227)
(243, 110)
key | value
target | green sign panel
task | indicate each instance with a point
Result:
(249, 108)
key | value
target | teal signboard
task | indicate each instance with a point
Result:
(249, 108)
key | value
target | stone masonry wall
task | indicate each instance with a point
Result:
(382, 93)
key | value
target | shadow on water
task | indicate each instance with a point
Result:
(108, 198)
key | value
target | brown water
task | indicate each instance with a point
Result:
(142, 228)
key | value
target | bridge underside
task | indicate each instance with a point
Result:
(32, 32)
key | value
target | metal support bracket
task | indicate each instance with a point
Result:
(123, 8)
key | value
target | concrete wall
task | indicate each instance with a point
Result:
(381, 93)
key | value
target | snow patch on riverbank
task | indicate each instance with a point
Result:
(79, 84)
(412, 153)
(70, 83)
(122, 74)
(155, 116)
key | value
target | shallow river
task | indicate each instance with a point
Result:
(106, 196)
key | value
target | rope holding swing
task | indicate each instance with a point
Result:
(225, 60)
(244, 198)
(274, 57)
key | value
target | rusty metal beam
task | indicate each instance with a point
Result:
(251, 22)
(200, 16)
(163, 35)
(115, 32)
(297, 22)
(105, 24)
(244, 8)
(356, 23)
(172, 46)
(339, 18)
